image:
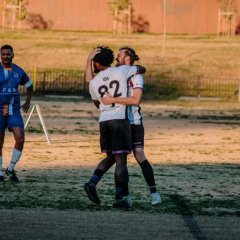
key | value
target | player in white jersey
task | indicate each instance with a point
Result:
(128, 56)
(115, 129)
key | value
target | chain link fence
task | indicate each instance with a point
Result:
(156, 86)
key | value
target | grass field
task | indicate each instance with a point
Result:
(183, 54)
(193, 147)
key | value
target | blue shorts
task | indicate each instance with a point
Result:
(11, 121)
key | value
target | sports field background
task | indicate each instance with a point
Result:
(182, 65)
(193, 146)
(194, 150)
(182, 53)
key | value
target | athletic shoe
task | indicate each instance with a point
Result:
(156, 198)
(124, 202)
(12, 175)
(91, 191)
(1, 178)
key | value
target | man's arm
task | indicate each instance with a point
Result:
(89, 68)
(140, 69)
(96, 103)
(25, 107)
(135, 99)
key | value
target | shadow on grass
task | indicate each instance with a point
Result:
(188, 217)
(185, 189)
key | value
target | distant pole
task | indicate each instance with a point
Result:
(13, 18)
(229, 21)
(129, 28)
(239, 89)
(164, 26)
(19, 14)
(115, 19)
(34, 78)
(219, 21)
(4, 14)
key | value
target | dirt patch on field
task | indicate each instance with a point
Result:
(175, 134)
(194, 150)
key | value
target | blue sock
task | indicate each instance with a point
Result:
(96, 177)
(15, 157)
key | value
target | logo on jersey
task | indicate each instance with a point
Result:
(105, 79)
(9, 90)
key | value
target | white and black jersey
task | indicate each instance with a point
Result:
(114, 81)
(134, 111)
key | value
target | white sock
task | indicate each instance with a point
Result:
(15, 157)
(1, 172)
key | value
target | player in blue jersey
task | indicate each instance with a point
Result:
(11, 76)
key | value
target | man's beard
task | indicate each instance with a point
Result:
(96, 70)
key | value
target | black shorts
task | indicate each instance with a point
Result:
(115, 136)
(137, 136)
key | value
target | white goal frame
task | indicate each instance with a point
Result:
(37, 107)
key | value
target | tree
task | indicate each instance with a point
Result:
(14, 10)
(122, 15)
(227, 12)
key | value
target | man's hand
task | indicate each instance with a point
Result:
(89, 66)
(93, 53)
(107, 99)
(25, 107)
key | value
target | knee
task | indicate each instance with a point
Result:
(110, 158)
(20, 141)
(106, 163)
(139, 155)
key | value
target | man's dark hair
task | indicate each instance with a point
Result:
(105, 57)
(130, 52)
(7, 47)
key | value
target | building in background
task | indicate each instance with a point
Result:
(155, 16)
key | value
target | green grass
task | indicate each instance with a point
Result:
(185, 189)
(69, 49)
(185, 58)
(31, 129)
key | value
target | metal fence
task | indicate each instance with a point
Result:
(156, 86)
(198, 85)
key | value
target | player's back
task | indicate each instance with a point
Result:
(114, 81)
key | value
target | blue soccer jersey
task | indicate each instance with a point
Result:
(10, 79)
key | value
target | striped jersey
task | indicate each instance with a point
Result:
(10, 79)
(134, 111)
(114, 81)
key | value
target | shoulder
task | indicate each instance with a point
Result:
(138, 78)
(17, 68)
(137, 81)
(94, 81)
(125, 67)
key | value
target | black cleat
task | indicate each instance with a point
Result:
(91, 191)
(1, 178)
(12, 175)
(124, 202)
